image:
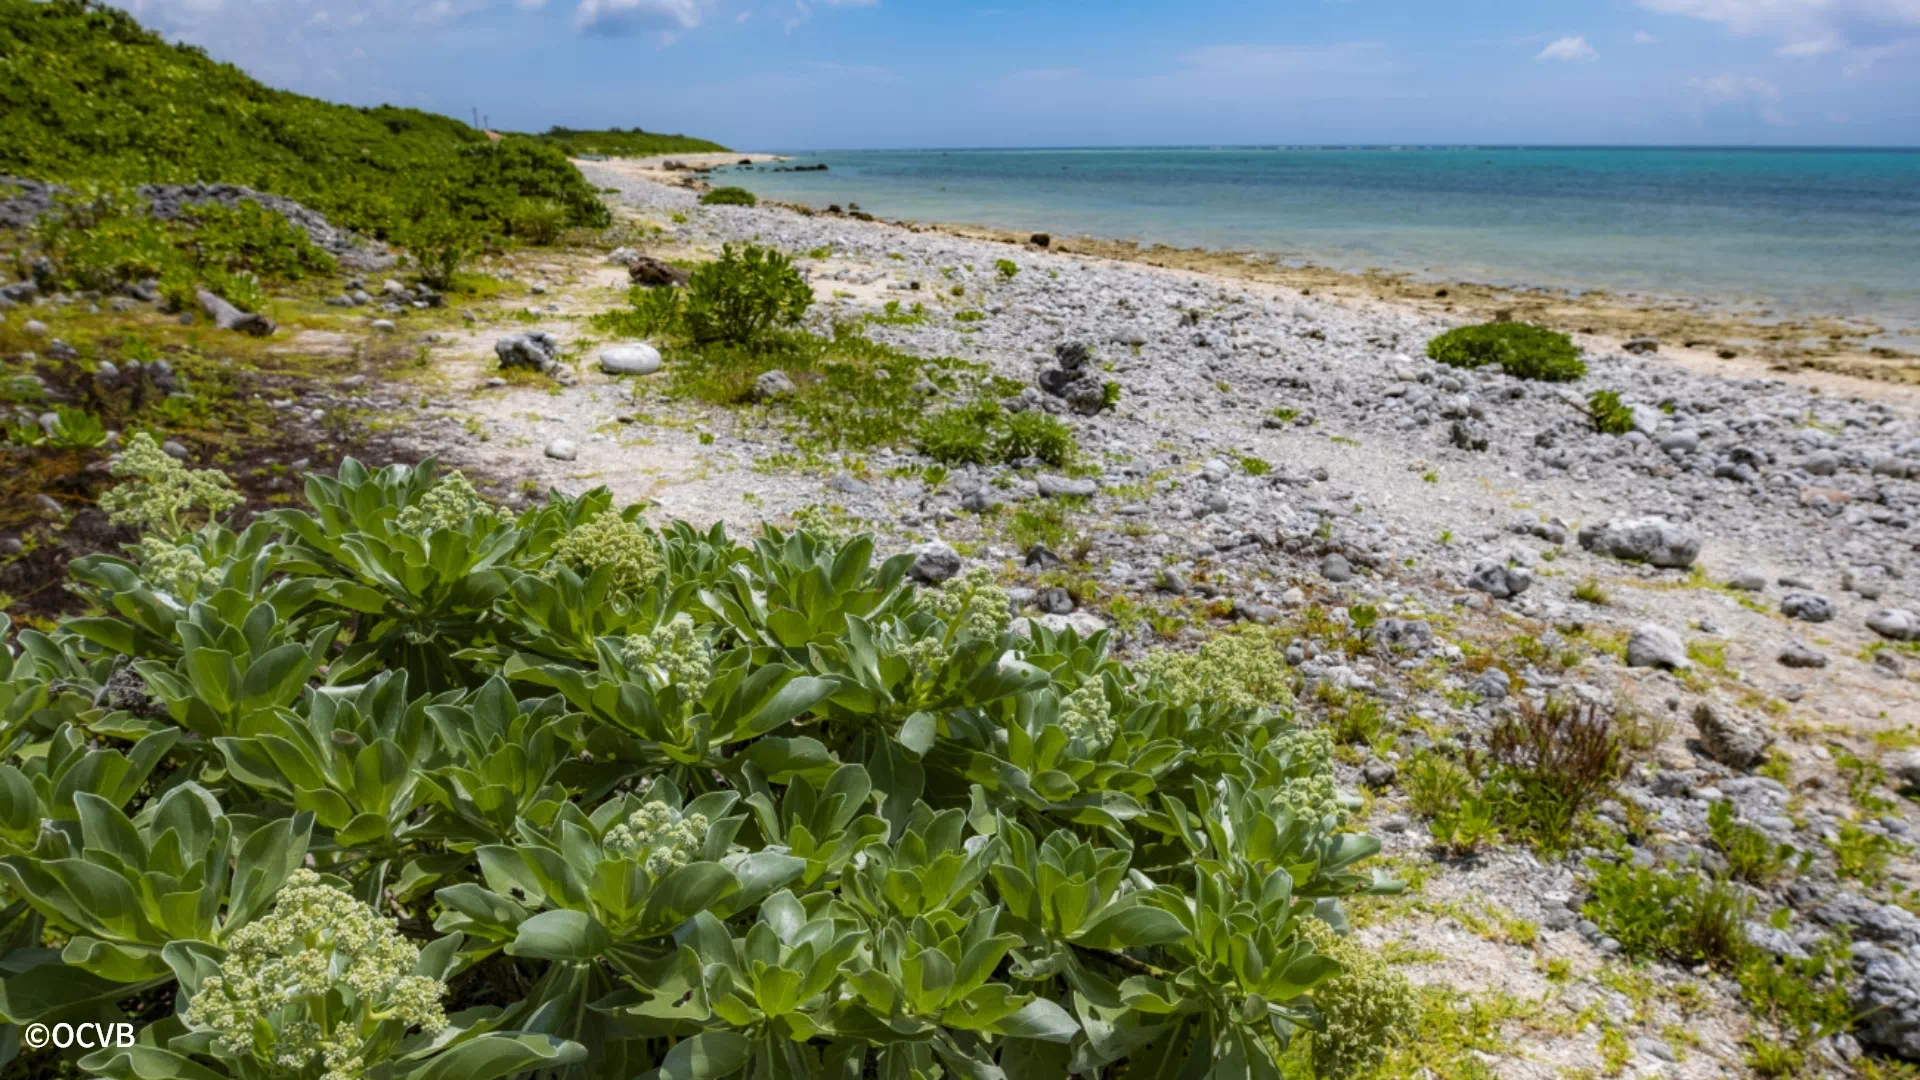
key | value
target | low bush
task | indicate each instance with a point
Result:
(101, 237)
(1609, 416)
(650, 311)
(729, 196)
(440, 245)
(1551, 764)
(1673, 914)
(1522, 350)
(1006, 268)
(982, 433)
(1434, 784)
(745, 296)
(623, 142)
(1034, 434)
(1751, 856)
(536, 221)
(583, 797)
(960, 436)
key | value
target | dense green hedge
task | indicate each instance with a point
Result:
(87, 94)
(1522, 350)
(632, 142)
(401, 786)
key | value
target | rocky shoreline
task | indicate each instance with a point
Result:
(1734, 577)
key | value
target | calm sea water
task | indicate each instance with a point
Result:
(1799, 231)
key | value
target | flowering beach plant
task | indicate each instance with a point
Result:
(399, 785)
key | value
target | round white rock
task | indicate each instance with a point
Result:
(629, 359)
(562, 450)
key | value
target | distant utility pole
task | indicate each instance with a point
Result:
(476, 117)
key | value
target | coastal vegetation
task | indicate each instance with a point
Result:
(623, 142)
(1522, 350)
(729, 196)
(563, 791)
(92, 98)
(311, 768)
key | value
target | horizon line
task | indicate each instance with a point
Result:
(1386, 146)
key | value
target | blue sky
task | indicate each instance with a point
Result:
(803, 74)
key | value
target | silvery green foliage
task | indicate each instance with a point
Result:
(397, 786)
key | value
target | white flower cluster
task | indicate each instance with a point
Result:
(281, 968)
(1085, 715)
(449, 504)
(175, 568)
(658, 832)
(610, 540)
(675, 653)
(1312, 793)
(972, 604)
(161, 493)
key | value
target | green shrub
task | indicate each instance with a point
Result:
(1007, 269)
(745, 296)
(1522, 350)
(1750, 855)
(1466, 827)
(440, 245)
(1608, 415)
(536, 221)
(1034, 434)
(809, 807)
(1551, 765)
(982, 433)
(1674, 914)
(93, 97)
(961, 436)
(729, 196)
(629, 142)
(1434, 784)
(98, 237)
(650, 311)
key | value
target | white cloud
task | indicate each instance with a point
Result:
(1867, 30)
(1572, 48)
(1641, 37)
(621, 16)
(1728, 90)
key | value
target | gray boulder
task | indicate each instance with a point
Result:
(773, 385)
(1798, 654)
(1886, 997)
(1652, 540)
(934, 563)
(1492, 684)
(1402, 635)
(1895, 624)
(562, 450)
(1807, 607)
(1729, 738)
(1654, 646)
(535, 350)
(630, 359)
(1498, 580)
(1055, 487)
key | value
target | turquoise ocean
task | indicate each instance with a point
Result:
(1792, 231)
